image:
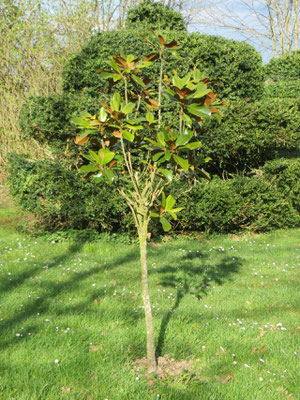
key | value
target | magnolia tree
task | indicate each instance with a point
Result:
(139, 152)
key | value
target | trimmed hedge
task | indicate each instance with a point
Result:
(235, 67)
(47, 118)
(62, 200)
(248, 136)
(270, 199)
(261, 203)
(283, 89)
(155, 16)
(251, 134)
(286, 67)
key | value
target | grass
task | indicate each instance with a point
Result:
(229, 303)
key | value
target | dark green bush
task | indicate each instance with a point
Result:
(63, 200)
(235, 67)
(270, 199)
(286, 67)
(47, 118)
(286, 174)
(250, 134)
(283, 89)
(258, 203)
(156, 16)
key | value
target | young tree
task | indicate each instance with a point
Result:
(140, 152)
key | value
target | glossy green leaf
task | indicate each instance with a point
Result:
(165, 224)
(98, 177)
(218, 117)
(106, 75)
(95, 156)
(130, 58)
(87, 156)
(184, 138)
(137, 80)
(115, 102)
(176, 210)
(82, 121)
(199, 111)
(128, 108)
(150, 117)
(161, 138)
(167, 155)
(180, 82)
(128, 135)
(116, 77)
(187, 119)
(153, 142)
(173, 215)
(170, 203)
(204, 174)
(114, 65)
(109, 175)
(105, 156)
(180, 161)
(167, 173)
(103, 115)
(163, 199)
(154, 215)
(157, 156)
(193, 145)
(144, 64)
(88, 168)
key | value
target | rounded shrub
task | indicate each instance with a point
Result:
(259, 203)
(47, 118)
(282, 89)
(251, 134)
(62, 200)
(286, 67)
(269, 199)
(155, 16)
(235, 67)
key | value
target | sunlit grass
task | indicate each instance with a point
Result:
(71, 318)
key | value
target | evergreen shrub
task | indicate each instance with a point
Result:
(285, 68)
(251, 134)
(270, 199)
(236, 66)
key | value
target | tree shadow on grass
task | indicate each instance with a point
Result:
(54, 289)
(193, 275)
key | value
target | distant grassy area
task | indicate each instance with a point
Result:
(72, 323)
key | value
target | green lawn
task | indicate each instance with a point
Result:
(72, 323)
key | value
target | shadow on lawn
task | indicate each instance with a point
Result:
(7, 286)
(41, 304)
(193, 275)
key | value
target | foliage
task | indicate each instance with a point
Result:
(282, 89)
(156, 16)
(47, 118)
(62, 200)
(137, 152)
(235, 66)
(285, 68)
(269, 200)
(251, 134)
(36, 39)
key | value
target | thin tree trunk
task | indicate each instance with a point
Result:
(147, 306)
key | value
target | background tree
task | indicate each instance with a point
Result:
(273, 24)
(138, 153)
